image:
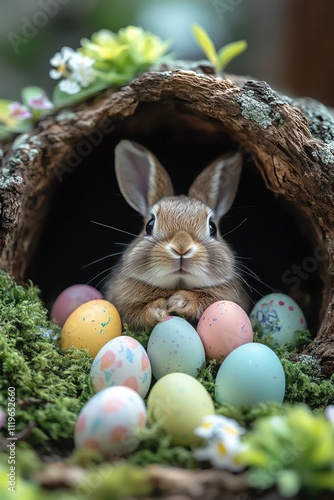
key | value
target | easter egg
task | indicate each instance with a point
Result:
(108, 421)
(279, 315)
(175, 346)
(224, 326)
(71, 298)
(178, 402)
(91, 326)
(122, 361)
(250, 374)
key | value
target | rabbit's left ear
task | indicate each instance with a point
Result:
(217, 184)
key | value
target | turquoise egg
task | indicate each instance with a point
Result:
(175, 346)
(250, 374)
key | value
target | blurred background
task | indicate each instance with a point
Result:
(291, 42)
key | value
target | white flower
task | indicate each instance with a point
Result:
(60, 61)
(222, 454)
(81, 67)
(76, 69)
(329, 413)
(223, 442)
(69, 87)
(216, 425)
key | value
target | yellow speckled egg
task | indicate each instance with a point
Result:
(91, 326)
(178, 402)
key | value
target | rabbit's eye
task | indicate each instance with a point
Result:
(150, 226)
(212, 229)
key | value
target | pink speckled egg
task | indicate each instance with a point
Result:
(223, 327)
(108, 421)
(71, 298)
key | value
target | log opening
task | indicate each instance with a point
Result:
(58, 178)
(269, 234)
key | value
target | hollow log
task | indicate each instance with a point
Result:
(186, 115)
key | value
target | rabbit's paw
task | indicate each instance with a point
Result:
(155, 311)
(183, 302)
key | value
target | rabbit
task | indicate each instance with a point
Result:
(179, 264)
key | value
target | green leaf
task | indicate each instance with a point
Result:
(206, 44)
(5, 134)
(288, 483)
(29, 93)
(229, 52)
(62, 99)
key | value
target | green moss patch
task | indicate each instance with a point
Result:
(51, 385)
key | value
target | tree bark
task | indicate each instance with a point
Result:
(291, 143)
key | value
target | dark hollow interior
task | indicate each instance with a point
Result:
(270, 235)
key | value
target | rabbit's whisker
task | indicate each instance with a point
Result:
(236, 227)
(252, 287)
(106, 278)
(244, 269)
(112, 227)
(101, 258)
(97, 275)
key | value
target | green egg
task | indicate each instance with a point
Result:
(179, 402)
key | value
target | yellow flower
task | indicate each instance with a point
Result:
(103, 45)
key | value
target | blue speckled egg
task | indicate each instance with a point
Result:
(175, 346)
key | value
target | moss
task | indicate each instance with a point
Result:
(304, 380)
(51, 385)
(142, 337)
(20, 142)
(325, 155)
(320, 119)
(255, 110)
(64, 115)
(33, 153)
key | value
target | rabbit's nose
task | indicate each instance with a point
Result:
(182, 245)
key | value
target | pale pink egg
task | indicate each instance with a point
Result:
(223, 327)
(71, 298)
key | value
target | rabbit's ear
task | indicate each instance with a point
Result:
(217, 184)
(141, 178)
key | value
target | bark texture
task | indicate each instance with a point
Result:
(291, 142)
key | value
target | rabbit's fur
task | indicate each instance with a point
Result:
(179, 264)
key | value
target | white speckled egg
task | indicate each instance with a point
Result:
(222, 327)
(108, 421)
(175, 346)
(279, 315)
(250, 374)
(122, 361)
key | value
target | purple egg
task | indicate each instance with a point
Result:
(71, 298)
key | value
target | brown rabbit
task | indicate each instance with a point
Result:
(179, 264)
